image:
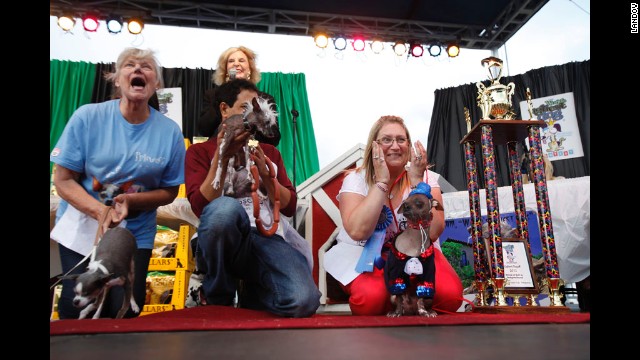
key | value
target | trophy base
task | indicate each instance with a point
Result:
(521, 309)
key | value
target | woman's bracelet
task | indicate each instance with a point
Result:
(382, 186)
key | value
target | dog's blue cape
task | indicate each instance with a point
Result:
(372, 248)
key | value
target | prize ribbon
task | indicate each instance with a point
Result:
(372, 248)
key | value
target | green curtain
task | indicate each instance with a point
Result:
(290, 92)
(70, 86)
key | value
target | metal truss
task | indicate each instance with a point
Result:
(201, 14)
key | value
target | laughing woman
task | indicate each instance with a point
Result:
(116, 163)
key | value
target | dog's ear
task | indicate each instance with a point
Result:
(401, 209)
(96, 184)
(256, 106)
(435, 204)
(125, 187)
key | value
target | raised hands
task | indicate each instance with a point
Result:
(381, 173)
(418, 164)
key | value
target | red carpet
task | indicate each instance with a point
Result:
(214, 317)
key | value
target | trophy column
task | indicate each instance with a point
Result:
(493, 214)
(479, 251)
(544, 216)
(522, 224)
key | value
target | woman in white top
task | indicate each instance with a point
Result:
(367, 194)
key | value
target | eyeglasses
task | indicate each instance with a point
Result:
(387, 141)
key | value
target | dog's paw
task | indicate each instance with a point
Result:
(427, 313)
(228, 189)
(87, 310)
(134, 306)
(394, 313)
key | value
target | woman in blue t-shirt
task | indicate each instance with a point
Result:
(116, 163)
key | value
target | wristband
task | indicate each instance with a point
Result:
(381, 187)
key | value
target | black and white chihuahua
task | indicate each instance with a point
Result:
(111, 265)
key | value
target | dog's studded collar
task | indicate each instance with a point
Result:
(419, 225)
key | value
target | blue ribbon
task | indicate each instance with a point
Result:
(372, 248)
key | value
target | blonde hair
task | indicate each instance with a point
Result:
(367, 164)
(220, 75)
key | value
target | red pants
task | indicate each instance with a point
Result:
(368, 294)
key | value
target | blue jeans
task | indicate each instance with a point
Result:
(275, 276)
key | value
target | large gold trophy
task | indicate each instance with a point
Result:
(495, 100)
(513, 278)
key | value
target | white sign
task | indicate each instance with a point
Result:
(561, 138)
(516, 265)
(170, 100)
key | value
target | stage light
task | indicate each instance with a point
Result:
(453, 49)
(340, 42)
(114, 24)
(66, 22)
(416, 49)
(358, 43)
(400, 48)
(135, 26)
(435, 50)
(90, 22)
(377, 46)
(321, 39)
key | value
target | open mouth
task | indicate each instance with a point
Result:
(138, 82)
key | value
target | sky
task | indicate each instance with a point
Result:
(348, 91)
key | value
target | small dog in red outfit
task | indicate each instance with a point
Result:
(410, 271)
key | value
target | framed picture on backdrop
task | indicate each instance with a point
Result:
(561, 137)
(170, 100)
